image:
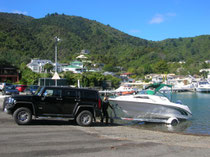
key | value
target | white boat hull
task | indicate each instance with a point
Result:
(203, 86)
(150, 110)
(203, 89)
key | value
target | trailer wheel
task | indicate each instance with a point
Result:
(173, 121)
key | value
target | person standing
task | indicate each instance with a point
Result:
(105, 106)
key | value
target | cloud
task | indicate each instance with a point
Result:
(158, 18)
(20, 12)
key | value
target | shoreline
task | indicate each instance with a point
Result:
(144, 135)
(174, 132)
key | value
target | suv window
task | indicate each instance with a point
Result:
(70, 93)
(90, 95)
(52, 92)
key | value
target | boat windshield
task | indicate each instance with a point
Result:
(149, 92)
(158, 86)
(155, 89)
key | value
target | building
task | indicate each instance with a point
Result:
(83, 52)
(52, 82)
(77, 63)
(75, 67)
(158, 78)
(182, 62)
(206, 70)
(81, 57)
(207, 61)
(126, 74)
(9, 74)
(37, 65)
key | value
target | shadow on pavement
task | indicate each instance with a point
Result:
(52, 122)
(68, 122)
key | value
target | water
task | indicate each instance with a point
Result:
(199, 104)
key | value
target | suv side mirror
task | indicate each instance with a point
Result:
(44, 94)
(43, 97)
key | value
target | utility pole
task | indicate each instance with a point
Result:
(56, 53)
(56, 60)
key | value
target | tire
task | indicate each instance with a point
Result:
(22, 116)
(84, 118)
(174, 122)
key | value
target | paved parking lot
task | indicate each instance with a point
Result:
(64, 139)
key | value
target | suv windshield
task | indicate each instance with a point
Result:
(39, 91)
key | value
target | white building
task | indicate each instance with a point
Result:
(207, 61)
(75, 67)
(207, 70)
(82, 57)
(37, 65)
(85, 52)
(77, 63)
(158, 78)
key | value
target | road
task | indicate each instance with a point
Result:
(56, 138)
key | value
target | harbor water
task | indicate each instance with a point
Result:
(199, 104)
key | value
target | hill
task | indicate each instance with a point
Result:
(23, 37)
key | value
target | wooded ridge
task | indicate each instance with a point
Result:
(23, 38)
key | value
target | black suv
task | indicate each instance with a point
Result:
(82, 105)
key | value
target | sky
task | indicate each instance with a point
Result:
(148, 19)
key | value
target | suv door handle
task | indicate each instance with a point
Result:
(59, 99)
(77, 99)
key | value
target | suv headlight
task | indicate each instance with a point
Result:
(11, 100)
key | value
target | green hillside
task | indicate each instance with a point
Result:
(23, 38)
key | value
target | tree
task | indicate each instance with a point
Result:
(109, 67)
(161, 67)
(147, 69)
(205, 66)
(204, 74)
(48, 67)
(28, 76)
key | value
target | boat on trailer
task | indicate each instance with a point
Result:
(151, 107)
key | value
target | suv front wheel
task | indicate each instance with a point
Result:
(84, 118)
(22, 116)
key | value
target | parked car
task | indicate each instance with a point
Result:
(2, 84)
(79, 104)
(31, 89)
(21, 88)
(9, 90)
